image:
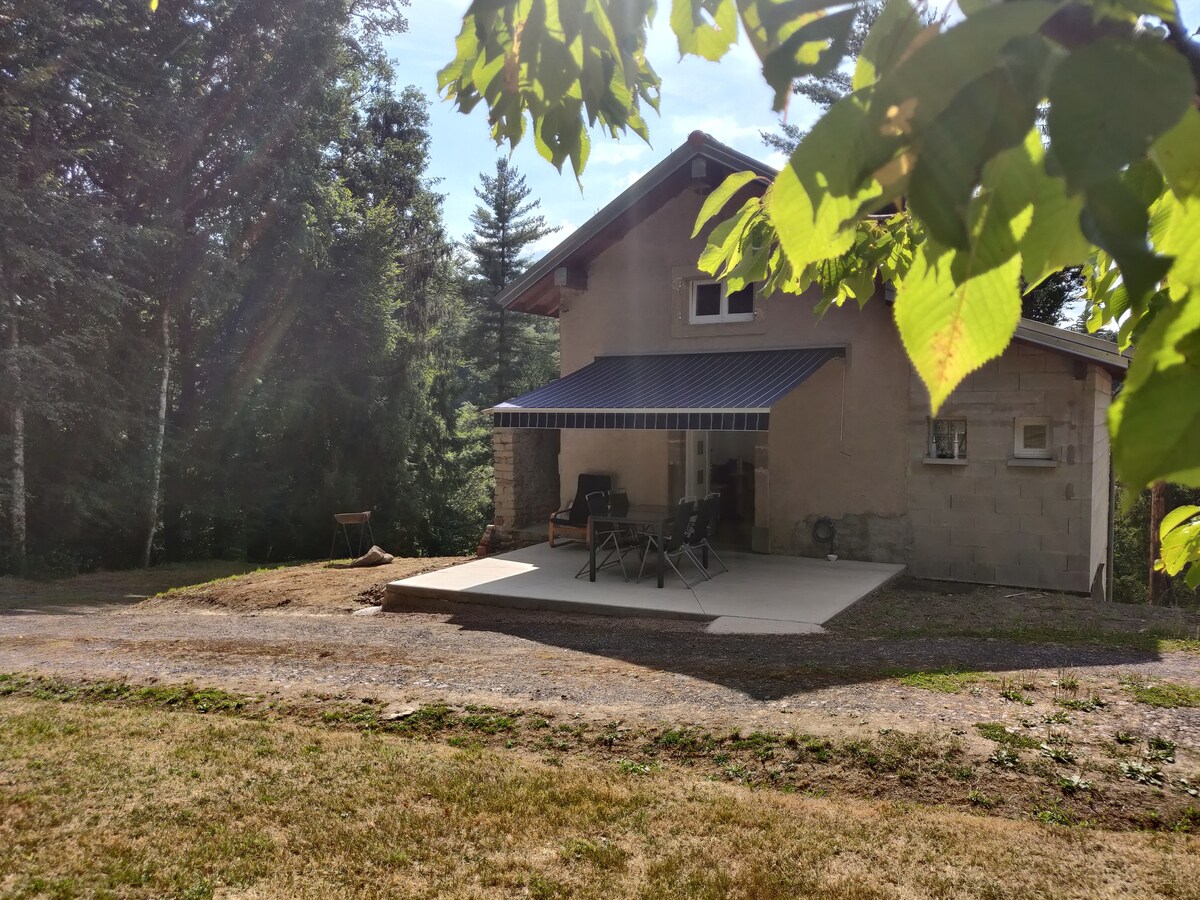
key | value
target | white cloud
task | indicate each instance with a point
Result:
(544, 245)
(607, 152)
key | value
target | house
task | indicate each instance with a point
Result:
(676, 386)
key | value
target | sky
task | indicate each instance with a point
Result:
(728, 100)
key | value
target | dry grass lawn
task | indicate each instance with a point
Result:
(310, 587)
(100, 588)
(137, 801)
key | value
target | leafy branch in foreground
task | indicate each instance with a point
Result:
(970, 158)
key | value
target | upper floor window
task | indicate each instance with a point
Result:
(1032, 438)
(712, 302)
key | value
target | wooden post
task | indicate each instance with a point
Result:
(1158, 583)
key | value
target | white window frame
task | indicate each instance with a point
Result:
(1020, 451)
(724, 316)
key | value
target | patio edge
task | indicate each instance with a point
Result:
(400, 597)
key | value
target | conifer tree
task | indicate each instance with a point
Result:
(510, 352)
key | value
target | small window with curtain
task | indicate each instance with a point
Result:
(948, 439)
(1033, 438)
(712, 302)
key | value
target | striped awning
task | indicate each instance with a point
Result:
(731, 391)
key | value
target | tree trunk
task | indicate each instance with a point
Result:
(159, 438)
(1158, 583)
(17, 517)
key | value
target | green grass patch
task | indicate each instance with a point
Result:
(946, 681)
(998, 732)
(1161, 694)
(225, 578)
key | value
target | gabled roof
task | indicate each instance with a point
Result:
(537, 292)
(539, 289)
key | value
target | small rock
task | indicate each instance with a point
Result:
(368, 611)
(394, 713)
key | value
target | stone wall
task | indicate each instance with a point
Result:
(527, 488)
(995, 519)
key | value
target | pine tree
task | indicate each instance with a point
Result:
(825, 90)
(1048, 301)
(510, 353)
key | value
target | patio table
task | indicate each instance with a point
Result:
(656, 519)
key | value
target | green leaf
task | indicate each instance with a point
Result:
(1109, 101)
(929, 79)
(716, 201)
(696, 36)
(816, 198)
(952, 320)
(891, 38)
(956, 309)
(1155, 420)
(1115, 218)
(990, 114)
(1180, 238)
(816, 48)
(1177, 154)
(1054, 240)
(724, 248)
(1180, 535)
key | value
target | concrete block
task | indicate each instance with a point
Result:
(1081, 525)
(1063, 542)
(972, 502)
(973, 571)
(972, 537)
(1017, 576)
(1000, 522)
(998, 555)
(1040, 559)
(1043, 524)
(1002, 485)
(1045, 381)
(1021, 506)
(972, 397)
(1064, 508)
(952, 518)
(1021, 363)
(930, 500)
(1036, 483)
(1002, 381)
(1018, 401)
(1079, 563)
(923, 567)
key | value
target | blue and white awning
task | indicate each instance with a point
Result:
(732, 391)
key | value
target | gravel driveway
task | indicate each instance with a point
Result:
(598, 668)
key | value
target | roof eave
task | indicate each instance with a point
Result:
(1081, 346)
(698, 144)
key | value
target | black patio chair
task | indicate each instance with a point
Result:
(608, 536)
(570, 524)
(674, 544)
(698, 545)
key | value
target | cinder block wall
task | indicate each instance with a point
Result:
(993, 519)
(526, 462)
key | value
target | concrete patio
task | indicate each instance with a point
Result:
(759, 594)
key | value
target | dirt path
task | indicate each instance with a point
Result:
(602, 669)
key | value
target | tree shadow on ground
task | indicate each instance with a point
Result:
(773, 667)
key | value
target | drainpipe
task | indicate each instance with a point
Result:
(1112, 504)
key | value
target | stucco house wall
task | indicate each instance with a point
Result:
(850, 443)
